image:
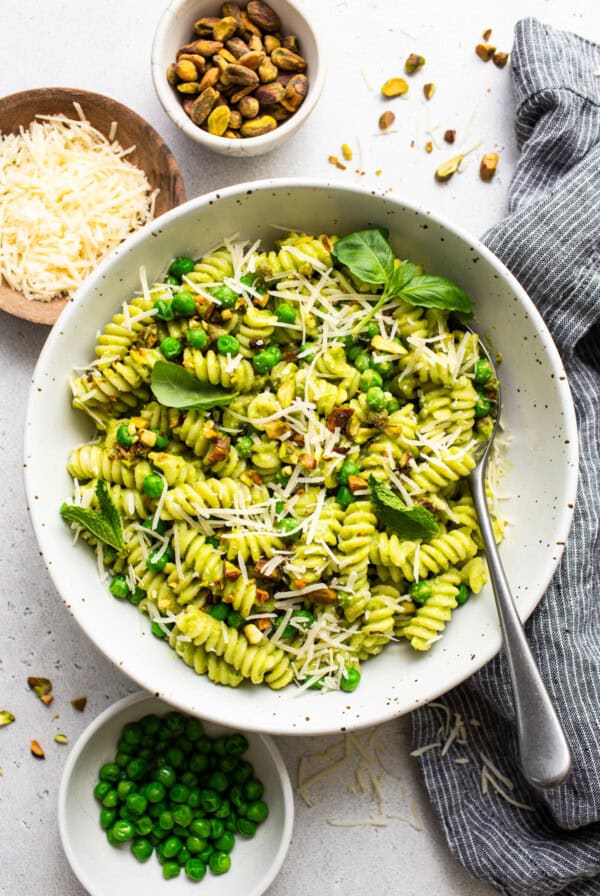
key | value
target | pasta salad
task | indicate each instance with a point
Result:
(279, 474)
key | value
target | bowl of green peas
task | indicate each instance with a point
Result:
(151, 797)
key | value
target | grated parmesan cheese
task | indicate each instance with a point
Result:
(68, 196)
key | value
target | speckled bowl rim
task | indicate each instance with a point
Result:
(120, 708)
(327, 724)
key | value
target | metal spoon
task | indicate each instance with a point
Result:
(544, 753)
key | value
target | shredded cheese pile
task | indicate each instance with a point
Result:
(68, 196)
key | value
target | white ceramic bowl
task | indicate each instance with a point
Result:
(538, 415)
(103, 869)
(175, 29)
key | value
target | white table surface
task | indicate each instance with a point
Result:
(105, 46)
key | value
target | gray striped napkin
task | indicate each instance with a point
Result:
(550, 241)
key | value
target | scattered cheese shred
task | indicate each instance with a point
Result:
(68, 196)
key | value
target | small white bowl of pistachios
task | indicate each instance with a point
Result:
(238, 78)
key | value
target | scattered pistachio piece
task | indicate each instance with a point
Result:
(488, 166)
(429, 146)
(60, 738)
(322, 596)
(41, 686)
(346, 152)
(413, 63)
(79, 703)
(445, 171)
(386, 120)
(487, 34)
(333, 160)
(449, 136)
(46, 699)
(394, 87)
(500, 59)
(6, 718)
(36, 750)
(485, 51)
(357, 483)
(428, 90)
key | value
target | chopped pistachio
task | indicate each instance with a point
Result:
(429, 146)
(413, 63)
(488, 166)
(41, 686)
(36, 750)
(445, 171)
(346, 152)
(46, 699)
(485, 51)
(6, 718)
(394, 87)
(428, 90)
(78, 703)
(500, 59)
(487, 34)
(333, 160)
(449, 136)
(386, 120)
(60, 738)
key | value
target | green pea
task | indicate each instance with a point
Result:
(195, 869)
(288, 527)
(483, 407)
(170, 280)
(253, 790)
(353, 351)
(137, 769)
(217, 828)
(421, 591)
(235, 619)
(219, 863)
(183, 304)
(166, 821)
(483, 372)
(244, 446)
(307, 352)
(136, 597)
(153, 485)
(170, 870)
(257, 811)
(344, 496)
(101, 789)
(219, 611)
(199, 763)
(164, 309)
(350, 680)
(391, 405)
(158, 559)
(210, 800)
(246, 827)
(179, 793)
(372, 330)
(181, 266)
(136, 803)
(171, 847)
(162, 440)
(384, 368)
(236, 744)
(200, 827)
(107, 818)
(462, 595)
(110, 838)
(368, 379)
(110, 771)
(124, 788)
(226, 297)
(266, 359)
(248, 279)
(165, 775)
(282, 478)
(122, 759)
(224, 810)
(142, 849)
(243, 772)
(124, 437)
(194, 729)
(227, 345)
(347, 469)
(189, 779)
(285, 313)
(362, 361)
(132, 733)
(170, 348)
(225, 843)
(197, 337)
(218, 781)
(143, 825)
(376, 398)
(160, 527)
(206, 853)
(122, 831)
(176, 758)
(230, 823)
(182, 856)
(118, 587)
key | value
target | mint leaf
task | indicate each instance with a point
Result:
(175, 387)
(105, 523)
(405, 522)
(429, 291)
(367, 254)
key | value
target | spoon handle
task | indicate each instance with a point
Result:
(544, 753)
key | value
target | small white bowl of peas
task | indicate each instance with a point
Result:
(151, 797)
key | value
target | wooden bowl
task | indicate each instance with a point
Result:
(151, 154)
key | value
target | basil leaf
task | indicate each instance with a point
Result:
(403, 274)
(367, 254)
(93, 522)
(404, 521)
(429, 291)
(109, 511)
(175, 387)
